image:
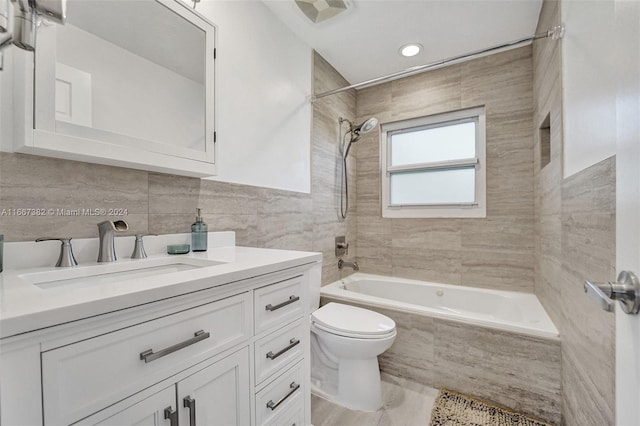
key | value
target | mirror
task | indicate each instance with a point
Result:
(130, 79)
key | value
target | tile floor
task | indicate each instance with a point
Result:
(406, 403)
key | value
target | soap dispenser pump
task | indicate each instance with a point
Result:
(199, 231)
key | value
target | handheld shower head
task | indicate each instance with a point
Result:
(362, 128)
(365, 127)
(354, 133)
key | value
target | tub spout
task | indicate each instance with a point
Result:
(352, 265)
(106, 230)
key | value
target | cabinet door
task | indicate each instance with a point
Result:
(218, 394)
(148, 412)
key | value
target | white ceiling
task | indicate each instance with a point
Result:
(362, 43)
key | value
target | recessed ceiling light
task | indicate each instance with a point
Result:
(411, 49)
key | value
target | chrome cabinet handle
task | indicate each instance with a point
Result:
(190, 403)
(149, 355)
(293, 342)
(171, 415)
(273, 405)
(292, 299)
(625, 290)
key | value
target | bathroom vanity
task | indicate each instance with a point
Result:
(222, 339)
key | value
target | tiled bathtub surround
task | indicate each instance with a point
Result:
(511, 369)
(163, 204)
(575, 240)
(495, 252)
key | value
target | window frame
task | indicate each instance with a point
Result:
(477, 209)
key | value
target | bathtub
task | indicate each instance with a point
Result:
(502, 310)
(499, 346)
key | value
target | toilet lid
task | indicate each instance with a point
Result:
(352, 320)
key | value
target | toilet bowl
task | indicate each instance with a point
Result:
(345, 344)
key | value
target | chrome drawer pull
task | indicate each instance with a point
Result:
(149, 355)
(190, 403)
(292, 299)
(293, 342)
(273, 405)
(171, 415)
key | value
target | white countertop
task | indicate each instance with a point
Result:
(26, 307)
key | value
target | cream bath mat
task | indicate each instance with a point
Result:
(455, 409)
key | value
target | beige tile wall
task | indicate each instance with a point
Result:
(160, 203)
(575, 240)
(496, 252)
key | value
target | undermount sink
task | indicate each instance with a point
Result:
(109, 273)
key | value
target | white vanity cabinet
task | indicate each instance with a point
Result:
(281, 351)
(81, 378)
(233, 354)
(218, 394)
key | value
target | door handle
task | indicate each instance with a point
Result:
(625, 290)
(190, 403)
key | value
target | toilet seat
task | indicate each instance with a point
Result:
(351, 321)
(315, 326)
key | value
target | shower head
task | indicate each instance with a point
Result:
(365, 127)
(362, 128)
(355, 131)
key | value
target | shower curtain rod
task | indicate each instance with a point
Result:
(554, 33)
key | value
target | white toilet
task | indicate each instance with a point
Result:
(345, 344)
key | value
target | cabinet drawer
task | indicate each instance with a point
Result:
(275, 351)
(84, 377)
(284, 393)
(294, 416)
(278, 303)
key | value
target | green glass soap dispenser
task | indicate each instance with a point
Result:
(199, 231)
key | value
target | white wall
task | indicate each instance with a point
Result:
(589, 84)
(263, 79)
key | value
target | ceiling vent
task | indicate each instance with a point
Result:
(321, 10)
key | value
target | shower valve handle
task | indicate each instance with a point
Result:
(342, 246)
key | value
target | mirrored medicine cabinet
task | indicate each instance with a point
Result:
(124, 83)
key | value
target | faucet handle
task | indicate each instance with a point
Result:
(138, 248)
(66, 258)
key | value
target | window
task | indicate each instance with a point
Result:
(434, 166)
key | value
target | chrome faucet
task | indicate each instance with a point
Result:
(352, 265)
(106, 229)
